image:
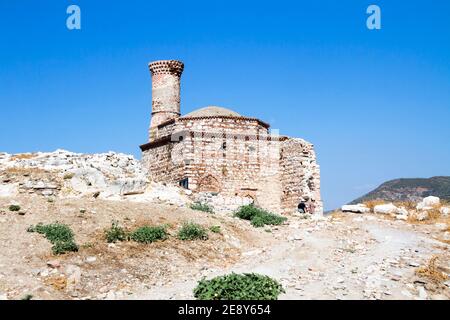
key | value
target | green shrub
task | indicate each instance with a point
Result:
(55, 232)
(115, 233)
(149, 234)
(59, 235)
(14, 207)
(215, 229)
(258, 216)
(62, 247)
(192, 231)
(202, 207)
(238, 287)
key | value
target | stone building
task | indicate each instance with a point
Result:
(223, 157)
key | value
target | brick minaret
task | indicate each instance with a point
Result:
(166, 76)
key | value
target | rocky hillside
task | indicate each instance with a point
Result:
(409, 190)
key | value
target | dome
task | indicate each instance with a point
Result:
(212, 111)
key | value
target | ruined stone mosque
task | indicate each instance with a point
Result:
(224, 157)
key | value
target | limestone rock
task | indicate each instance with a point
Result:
(54, 263)
(8, 190)
(73, 275)
(386, 209)
(357, 208)
(445, 211)
(428, 203)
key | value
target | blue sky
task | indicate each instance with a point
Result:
(376, 104)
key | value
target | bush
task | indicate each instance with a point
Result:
(238, 287)
(215, 229)
(149, 234)
(202, 207)
(55, 232)
(115, 233)
(14, 207)
(192, 231)
(62, 247)
(59, 235)
(259, 217)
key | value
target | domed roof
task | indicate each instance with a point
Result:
(212, 111)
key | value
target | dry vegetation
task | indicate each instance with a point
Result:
(23, 156)
(372, 203)
(408, 205)
(432, 271)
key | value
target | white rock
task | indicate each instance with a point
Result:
(74, 275)
(91, 259)
(428, 203)
(9, 190)
(401, 217)
(422, 293)
(407, 293)
(355, 208)
(431, 201)
(386, 209)
(54, 263)
(402, 211)
(445, 211)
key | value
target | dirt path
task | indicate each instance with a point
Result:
(356, 257)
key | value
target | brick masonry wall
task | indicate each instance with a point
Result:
(237, 158)
(166, 76)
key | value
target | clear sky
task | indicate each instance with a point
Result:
(376, 103)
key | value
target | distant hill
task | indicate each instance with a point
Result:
(409, 190)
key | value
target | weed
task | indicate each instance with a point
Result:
(115, 233)
(27, 297)
(202, 207)
(215, 229)
(238, 287)
(192, 231)
(259, 217)
(59, 235)
(148, 234)
(14, 208)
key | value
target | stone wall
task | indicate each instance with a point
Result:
(300, 175)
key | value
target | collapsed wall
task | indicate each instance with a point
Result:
(300, 175)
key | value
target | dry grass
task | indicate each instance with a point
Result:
(372, 203)
(58, 282)
(22, 156)
(431, 271)
(25, 171)
(337, 214)
(408, 205)
(434, 216)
